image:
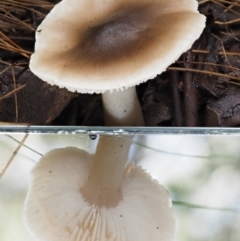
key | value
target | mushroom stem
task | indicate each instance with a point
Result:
(122, 108)
(107, 171)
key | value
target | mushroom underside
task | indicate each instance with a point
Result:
(56, 210)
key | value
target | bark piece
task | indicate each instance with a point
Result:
(224, 111)
(156, 104)
(37, 103)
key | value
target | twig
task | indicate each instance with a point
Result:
(14, 44)
(29, 148)
(226, 55)
(15, 95)
(192, 205)
(177, 110)
(14, 124)
(13, 155)
(228, 22)
(222, 5)
(223, 1)
(230, 3)
(6, 63)
(197, 51)
(212, 64)
(10, 41)
(230, 33)
(13, 92)
(13, 18)
(13, 49)
(228, 8)
(3, 71)
(190, 95)
(42, 4)
(207, 72)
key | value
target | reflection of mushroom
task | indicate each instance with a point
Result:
(75, 196)
(102, 46)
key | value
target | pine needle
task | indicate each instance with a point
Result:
(13, 155)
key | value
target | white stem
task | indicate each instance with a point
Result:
(104, 185)
(122, 108)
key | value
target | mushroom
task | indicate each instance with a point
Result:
(93, 46)
(75, 196)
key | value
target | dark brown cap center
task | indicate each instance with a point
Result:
(121, 34)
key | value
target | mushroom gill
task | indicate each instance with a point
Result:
(74, 196)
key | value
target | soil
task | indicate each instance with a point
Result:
(202, 88)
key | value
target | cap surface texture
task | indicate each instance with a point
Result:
(95, 46)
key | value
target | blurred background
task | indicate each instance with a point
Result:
(201, 173)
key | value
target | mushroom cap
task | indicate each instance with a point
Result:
(95, 46)
(55, 209)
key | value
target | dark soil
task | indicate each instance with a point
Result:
(201, 89)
